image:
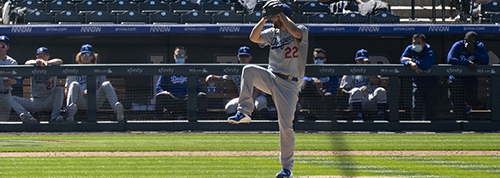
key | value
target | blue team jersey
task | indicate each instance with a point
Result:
(424, 61)
(175, 84)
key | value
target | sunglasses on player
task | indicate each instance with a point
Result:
(86, 54)
(3, 46)
(180, 55)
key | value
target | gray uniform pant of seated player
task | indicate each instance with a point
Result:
(106, 90)
(52, 102)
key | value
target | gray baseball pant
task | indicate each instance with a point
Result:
(285, 94)
(232, 105)
(106, 90)
(5, 109)
(53, 103)
(370, 100)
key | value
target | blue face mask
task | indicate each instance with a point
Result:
(318, 61)
(417, 48)
(179, 60)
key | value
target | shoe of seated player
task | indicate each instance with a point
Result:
(27, 118)
(239, 118)
(284, 173)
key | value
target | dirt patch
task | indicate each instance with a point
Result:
(252, 153)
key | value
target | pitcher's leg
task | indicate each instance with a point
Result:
(257, 76)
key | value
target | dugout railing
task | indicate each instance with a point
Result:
(392, 72)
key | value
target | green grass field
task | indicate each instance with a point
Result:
(248, 166)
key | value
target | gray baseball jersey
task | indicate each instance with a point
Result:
(42, 86)
(8, 61)
(357, 81)
(287, 55)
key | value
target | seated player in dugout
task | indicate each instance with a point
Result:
(318, 92)
(171, 97)
(76, 88)
(45, 95)
(259, 97)
(364, 91)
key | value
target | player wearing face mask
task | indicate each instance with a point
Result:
(420, 58)
(171, 97)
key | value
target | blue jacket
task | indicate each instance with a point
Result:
(175, 84)
(329, 82)
(459, 55)
(424, 61)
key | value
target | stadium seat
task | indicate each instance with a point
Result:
(124, 5)
(216, 6)
(100, 17)
(488, 10)
(196, 17)
(313, 7)
(132, 17)
(253, 17)
(38, 17)
(297, 18)
(32, 4)
(153, 5)
(57, 6)
(227, 17)
(353, 18)
(163, 17)
(69, 17)
(184, 6)
(384, 18)
(322, 18)
(91, 5)
(294, 7)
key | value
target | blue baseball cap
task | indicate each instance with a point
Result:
(5, 39)
(42, 50)
(244, 50)
(86, 48)
(287, 10)
(362, 54)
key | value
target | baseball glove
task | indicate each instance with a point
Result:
(272, 7)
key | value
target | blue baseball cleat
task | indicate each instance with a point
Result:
(284, 173)
(239, 118)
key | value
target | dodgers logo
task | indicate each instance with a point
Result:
(178, 80)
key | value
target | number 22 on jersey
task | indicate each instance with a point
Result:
(291, 52)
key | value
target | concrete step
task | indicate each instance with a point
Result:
(422, 11)
(417, 2)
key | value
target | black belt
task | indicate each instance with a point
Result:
(286, 77)
(4, 91)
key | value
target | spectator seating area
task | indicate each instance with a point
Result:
(178, 12)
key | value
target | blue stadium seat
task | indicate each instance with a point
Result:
(489, 11)
(100, 17)
(216, 6)
(57, 6)
(91, 5)
(130, 17)
(384, 18)
(164, 17)
(253, 17)
(227, 17)
(69, 17)
(353, 18)
(322, 18)
(32, 4)
(196, 17)
(38, 17)
(154, 5)
(184, 6)
(298, 18)
(313, 7)
(122, 5)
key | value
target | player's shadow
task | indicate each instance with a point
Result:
(343, 160)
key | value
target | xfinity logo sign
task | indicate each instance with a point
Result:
(39, 71)
(167, 70)
(132, 70)
(231, 70)
(452, 70)
(360, 70)
(70, 71)
(423, 71)
(327, 70)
